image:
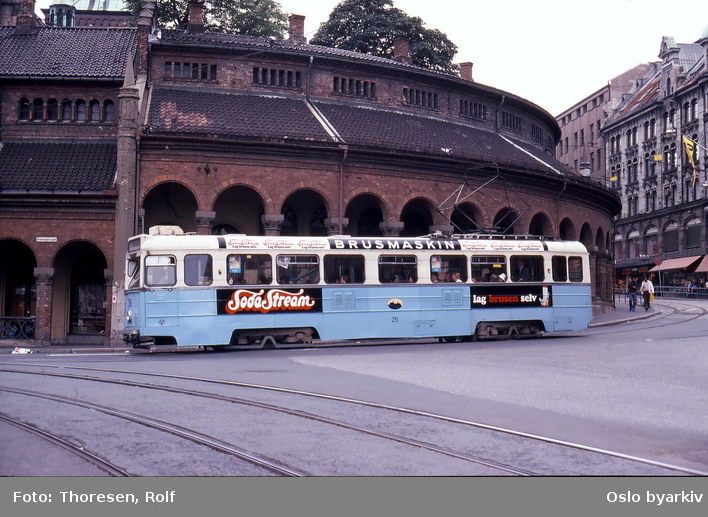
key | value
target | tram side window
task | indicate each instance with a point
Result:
(298, 269)
(398, 269)
(488, 268)
(344, 269)
(575, 269)
(526, 268)
(448, 268)
(249, 269)
(198, 270)
(160, 270)
(560, 269)
(133, 273)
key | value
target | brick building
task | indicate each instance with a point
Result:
(222, 133)
(665, 203)
(581, 146)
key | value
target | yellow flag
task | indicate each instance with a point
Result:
(690, 146)
(690, 151)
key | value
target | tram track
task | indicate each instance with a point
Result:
(664, 324)
(510, 469)
(80, 451)
(165, 427)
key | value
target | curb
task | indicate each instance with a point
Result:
(625, 320)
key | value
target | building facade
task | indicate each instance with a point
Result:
(581, 146)
(221, 133)
(664, 193)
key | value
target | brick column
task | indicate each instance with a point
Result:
(391, 228)
(111, 298)
(205, 221)
(332, 225)
(272, 223)
(45, 288)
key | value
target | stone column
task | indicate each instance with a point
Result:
(272, 223)
(205, 221)
(332, 225)
(45, 289)
(108, 304)
(391, 228)
(126, 185)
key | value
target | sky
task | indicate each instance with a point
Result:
(553, 53)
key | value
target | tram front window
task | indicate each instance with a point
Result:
(160, 270)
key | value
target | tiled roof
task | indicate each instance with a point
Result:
(66, 52)
(273, 118)
(224, 114)
(57, 166)
(226, 41)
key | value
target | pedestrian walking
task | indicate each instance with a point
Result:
(632, 288)
(647, 290)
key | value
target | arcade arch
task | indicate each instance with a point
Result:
(170, 204)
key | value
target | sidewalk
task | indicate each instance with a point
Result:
(621, 315)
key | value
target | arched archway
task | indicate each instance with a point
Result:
(304, 213)
(170, 204)
(600, 239)
(541, 225)
(465, 218)
(238, 210)
(586, 236)
(567, 230)
(79, 307)
(18, 289)
(417, 218)
(504, 221)
(365, 214)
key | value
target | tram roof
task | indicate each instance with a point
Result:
(468, 243)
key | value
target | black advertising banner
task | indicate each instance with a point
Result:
(268, 301)
(517, 295)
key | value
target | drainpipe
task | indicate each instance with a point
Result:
(341, 188)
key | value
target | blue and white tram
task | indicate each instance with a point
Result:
(208, 290)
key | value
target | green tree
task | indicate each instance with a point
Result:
(262, 18)
(370, 27)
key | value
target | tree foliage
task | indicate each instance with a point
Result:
(262, 18)
(370, 27)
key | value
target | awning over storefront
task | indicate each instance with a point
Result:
(678, 263)
(702, 266)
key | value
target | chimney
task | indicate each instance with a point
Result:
(466, 71)
(297, 28)
(195, 22)
(26, 19)
(402, 50)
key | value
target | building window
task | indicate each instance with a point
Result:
(52, 110)
(180, 71)
(66, 110)
(421, 98)
(38, 109)
(81, 110)
(354, 87)
(473, 110)
(651, 241)
(94, 111)
(693, 233)
(537, 133)
(277, 78)
(109, 111)
(670, 236)
(511, 121)
(25, 108)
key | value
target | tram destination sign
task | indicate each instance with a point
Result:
(267, 301)
(492, 296)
